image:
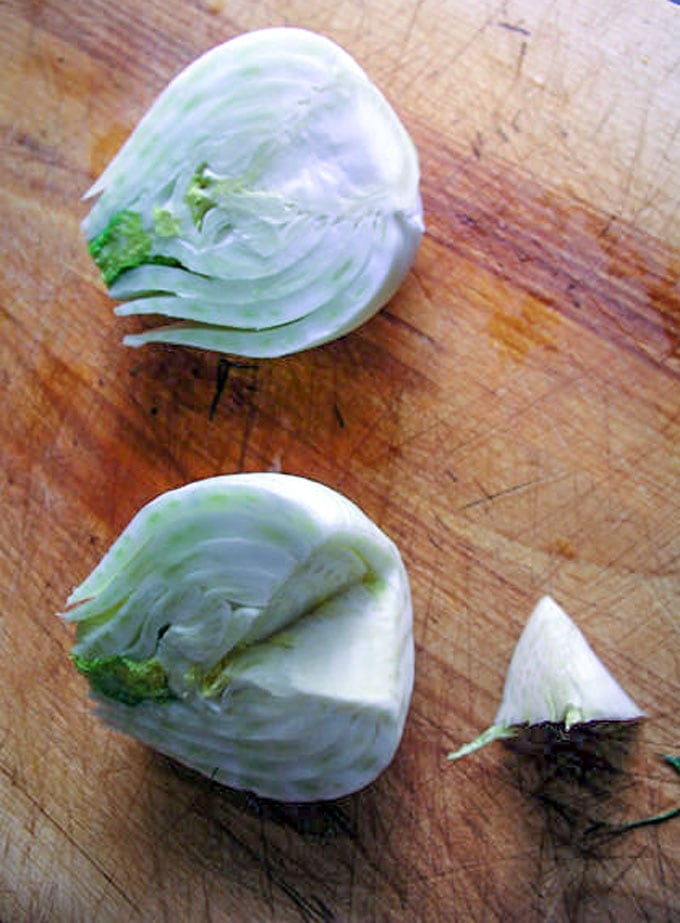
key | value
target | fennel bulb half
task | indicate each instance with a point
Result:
(267, 202)
(257, 628)
(554, 676)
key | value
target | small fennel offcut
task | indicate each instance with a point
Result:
(554, 677)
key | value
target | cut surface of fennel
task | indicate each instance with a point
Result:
(554, 677)
(267, 202)
(257, 628)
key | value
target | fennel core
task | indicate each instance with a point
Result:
(126, 244)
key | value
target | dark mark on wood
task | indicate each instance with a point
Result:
(224, 367)
(395, 319)
(520, 60)
(221, 378)
(477, 145)
(572, 289)
(579, 776)
(311, 909)
(607, 227)
(490, 497)
(511, 27)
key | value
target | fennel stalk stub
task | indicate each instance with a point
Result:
(267, 202)
(257, 628)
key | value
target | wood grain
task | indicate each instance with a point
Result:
(510, 419)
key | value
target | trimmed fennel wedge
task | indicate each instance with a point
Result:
(256, 628)
(267, 202)
(554, 677)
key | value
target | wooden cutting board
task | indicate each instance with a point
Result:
(511, 419)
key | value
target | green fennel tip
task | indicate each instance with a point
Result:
(123, 244)
(124, 680)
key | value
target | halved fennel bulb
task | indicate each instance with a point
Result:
(267, 202)
(554, 676)
(257, 628)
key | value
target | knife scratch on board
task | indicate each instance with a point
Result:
(400, 56)
(224, 367)
(514, 27)
(312, 909)
(75, 845)
(520, 59)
